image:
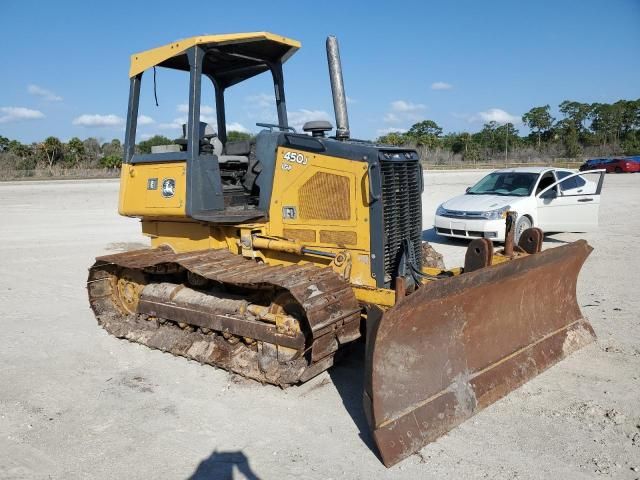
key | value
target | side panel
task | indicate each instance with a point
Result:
(179, 236)
(571, 213)
(154, 189)
(322, 201)
(576, 209)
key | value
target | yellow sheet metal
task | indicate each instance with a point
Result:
(143, 60)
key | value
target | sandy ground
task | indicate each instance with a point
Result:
(77, 403)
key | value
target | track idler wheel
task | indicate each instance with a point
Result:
(288, 316)
(128, 288)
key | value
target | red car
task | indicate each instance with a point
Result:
(617, 165)
(620, 165)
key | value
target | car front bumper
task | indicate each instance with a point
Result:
(470, 229)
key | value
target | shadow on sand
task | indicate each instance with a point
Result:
(348, 377)
(221, 465)
(432, 237)
(550, 239)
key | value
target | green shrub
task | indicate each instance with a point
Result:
(111, 161)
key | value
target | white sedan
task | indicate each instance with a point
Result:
(553, 199)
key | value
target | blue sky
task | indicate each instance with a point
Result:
(65, 64)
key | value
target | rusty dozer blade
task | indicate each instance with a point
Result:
(459, 344)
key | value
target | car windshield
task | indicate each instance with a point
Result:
(517, 184)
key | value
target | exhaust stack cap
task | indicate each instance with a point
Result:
(337, 89)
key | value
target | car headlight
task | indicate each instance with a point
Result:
(441, 210)
(496, 214)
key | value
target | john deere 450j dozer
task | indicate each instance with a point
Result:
(268, 257)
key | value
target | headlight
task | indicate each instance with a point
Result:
(496, 214)
(441, 211)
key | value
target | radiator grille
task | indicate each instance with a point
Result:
(402, 210)
(300, 234)
(338, 237)
(325, 197)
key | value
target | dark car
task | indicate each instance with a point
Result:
(617, 165)
(593, 164)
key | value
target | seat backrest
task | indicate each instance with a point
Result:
(217, 146)
(239, 147)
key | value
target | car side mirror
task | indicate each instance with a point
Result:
(466, 190)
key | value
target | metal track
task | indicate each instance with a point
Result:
(328, 312)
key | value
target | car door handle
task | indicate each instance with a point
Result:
(585, 199)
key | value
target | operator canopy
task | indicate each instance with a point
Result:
(229, 59)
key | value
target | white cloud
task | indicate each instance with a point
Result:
(15, 114)
(177, 123)
(495, 115)
(261, 100)
(406, 107)
(145, 120)
(204, 109)
(207, 115)
(96, 120)
(404, 112)
(387, 131)
(390, 117)
(261, 107)
(298, 118)
(146, 136)
(237, 127)
(441, 86)
(44, 93)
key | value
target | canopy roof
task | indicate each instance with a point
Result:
(230, 58)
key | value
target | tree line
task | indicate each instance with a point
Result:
(583, 129)
(52, 152)
(90, 153)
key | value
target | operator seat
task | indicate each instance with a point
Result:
(233, 153)
(237, 151)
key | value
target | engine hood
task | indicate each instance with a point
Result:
(480, 203)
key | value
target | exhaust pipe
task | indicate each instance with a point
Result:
(337, 89)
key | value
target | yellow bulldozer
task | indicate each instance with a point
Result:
(270, 256)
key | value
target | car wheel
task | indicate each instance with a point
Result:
(618, 170)
(521, 225)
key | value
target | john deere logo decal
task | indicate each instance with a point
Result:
(168, 187)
